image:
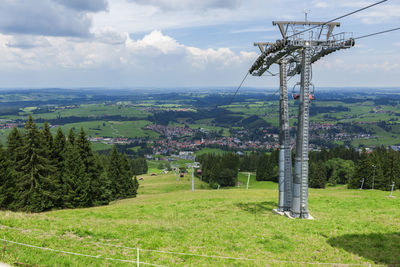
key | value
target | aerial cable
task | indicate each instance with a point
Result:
(266, 100)
(272, 74)
(376, 33)
(338, 18)
(317, 26)
(237, 90)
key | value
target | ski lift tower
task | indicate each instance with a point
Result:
(302, 44)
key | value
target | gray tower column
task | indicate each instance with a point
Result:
(285, 159)
(300, 183)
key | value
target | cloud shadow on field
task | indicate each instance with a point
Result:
(381, 248)
(255, 207)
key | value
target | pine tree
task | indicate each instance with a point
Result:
(363, 170)
(92, 169)
(114, 173)
(34, 187)
(136, 184)
(48, 137)
(14, 155)
(317, 175)
(390, 170)
(127, 175)
(58, 161)
(14, 145)
(105, 194)
(139, 166)
(265, 169)
(76, 186)
(7, 183)
(71, 137)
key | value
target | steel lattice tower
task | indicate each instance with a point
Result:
(303, 44)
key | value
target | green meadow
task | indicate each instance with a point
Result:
(350, 227)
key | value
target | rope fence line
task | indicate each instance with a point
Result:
(174, 253)
(77, 254)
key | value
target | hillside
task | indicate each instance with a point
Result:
(350, 227)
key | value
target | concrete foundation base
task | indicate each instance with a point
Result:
(287, 214)
(282, 213)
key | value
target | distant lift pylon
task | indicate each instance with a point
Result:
(303, 43)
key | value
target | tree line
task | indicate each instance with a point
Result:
(219, 170)
(40, 172)
(339, 165)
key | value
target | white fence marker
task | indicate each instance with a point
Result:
(138, 262)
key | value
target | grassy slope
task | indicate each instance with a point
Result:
(351, 226)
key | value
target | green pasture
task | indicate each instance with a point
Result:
(350, 227)
(130, 129)
(92, 110)
(208, 150)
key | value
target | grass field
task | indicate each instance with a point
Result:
(209, 150)
(130, 129)
(350, 227)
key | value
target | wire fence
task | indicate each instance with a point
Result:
(78, 254)
(139, 250)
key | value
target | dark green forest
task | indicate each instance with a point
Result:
(220, 170)
(339, 165)
(40, 172)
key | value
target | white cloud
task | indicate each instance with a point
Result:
(47, 17)
(155, 56)
(27, 41)
(380, 14)
(155, 40)
(189, 4)
(109, 35)
(135, 17)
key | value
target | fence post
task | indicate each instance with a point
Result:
(4, 247)
(138, 262)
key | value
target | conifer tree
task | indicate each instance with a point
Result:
(92, 170)
(14, 145)
(363, 170)
(58, 160)
(114, 173)
(7, 184)
(317, 175)
(71, 137)
(104, 190)
(139, 166)
(76, 186)
(127, 177)
(390, 168)
(136, 184)
(48, 137)
(34, 186)
(265, 169)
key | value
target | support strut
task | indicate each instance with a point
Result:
(300, 183)
(285, 157)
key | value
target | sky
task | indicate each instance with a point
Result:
(182, 43)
